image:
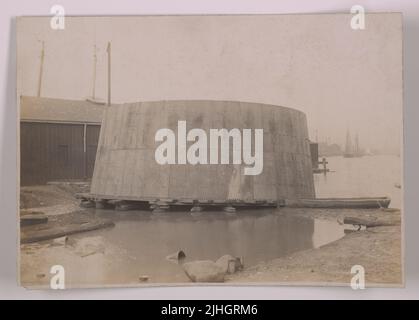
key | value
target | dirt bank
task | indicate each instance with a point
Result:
(377, 249)
(56, 201)
(53, 194)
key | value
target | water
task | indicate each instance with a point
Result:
(367, 176)
(140, 242)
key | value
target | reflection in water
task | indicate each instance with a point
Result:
(367, 176)
(326, 231)
(145, 241)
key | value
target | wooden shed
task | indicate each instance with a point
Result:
(58, 139)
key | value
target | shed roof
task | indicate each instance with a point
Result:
(60, 110)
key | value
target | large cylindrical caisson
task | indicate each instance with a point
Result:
(126, 167)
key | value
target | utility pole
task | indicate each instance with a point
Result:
(94, 73)
(108, 50)
(41, 69)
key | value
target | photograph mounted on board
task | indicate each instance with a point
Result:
(222, 149)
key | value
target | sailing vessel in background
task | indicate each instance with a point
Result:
(352, 151)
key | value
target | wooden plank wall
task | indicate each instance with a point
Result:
(126, 168)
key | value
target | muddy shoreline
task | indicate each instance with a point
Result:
(377, 249)
(63, 225)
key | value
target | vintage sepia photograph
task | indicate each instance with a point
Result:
(210, 149)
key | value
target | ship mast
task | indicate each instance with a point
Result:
(41, 69)
(94, 73)
(356, 144)
(348, 146)
(108, 50)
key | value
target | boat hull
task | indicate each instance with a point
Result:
(341, 203)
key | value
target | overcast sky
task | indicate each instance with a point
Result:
(339, 77)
